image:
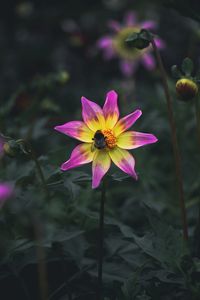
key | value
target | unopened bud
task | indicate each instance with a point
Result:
(62, 77)
(11, 148)
(186, 89)
(139, 40)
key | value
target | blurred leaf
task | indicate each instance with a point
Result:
(175, 72)
(187, 66)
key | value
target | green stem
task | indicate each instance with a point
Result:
(42, 269)
(197, 112)
(100, 249)
(197, 228)
(176, 151)
(39, 169)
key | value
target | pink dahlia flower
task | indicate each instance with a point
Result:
(104, 138)
(6, 192)
(115, 45)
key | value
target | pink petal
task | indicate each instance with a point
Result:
(127, 67)
(82, 154)
(114, 25)
(106, 45)
(111, 110)
(100, 167)
(92, 115)
(148, 61)
(77, 130)
(130, 18)
(6, 191)
(150, 24)
(123, 160)
(133, 139)
(104, 42)
(126, 122)
(160, 43)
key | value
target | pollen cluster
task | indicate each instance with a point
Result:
(109, 138)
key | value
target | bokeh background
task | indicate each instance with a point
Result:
(48, 59)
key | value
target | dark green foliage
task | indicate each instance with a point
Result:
(48, 61)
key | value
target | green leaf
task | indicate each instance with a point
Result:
(175, 72)
(187, 66)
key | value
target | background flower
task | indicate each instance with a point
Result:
(115, 45)
(6, 192)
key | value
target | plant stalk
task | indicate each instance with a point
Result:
(197, 228)
(40, 252)
(101, 236)
(39, 169)
(177, 157)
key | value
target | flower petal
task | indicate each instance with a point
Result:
(110, 109)
(6, 191)
(106, 45)
(92, 115)
(148, 61)
(160, 43)
(82, 154)
(100, 166)
(77, 130)
(123, 160)
(128, 67)
(134, 139)
(114, 25)
(130, 18)
(126, 122)
(104, 42)
(149, 24)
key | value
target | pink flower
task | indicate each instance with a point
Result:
(115, 45)
(104, 138)
(6, 192)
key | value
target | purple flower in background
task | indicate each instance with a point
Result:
(6, 191)
(115, 45)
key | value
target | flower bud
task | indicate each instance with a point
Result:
(62, 77)
(186, 89)
(140, 40)
(11, 148)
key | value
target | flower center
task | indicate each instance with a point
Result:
(122, 47)
(110, 139)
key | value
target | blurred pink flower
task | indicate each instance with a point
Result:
(114, 45)
(104, 138)
(6, 191)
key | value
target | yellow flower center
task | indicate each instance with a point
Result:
(122, 47)
(110, 139)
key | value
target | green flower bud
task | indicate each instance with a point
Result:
(11, 148)
(62, 77)
(140, 40)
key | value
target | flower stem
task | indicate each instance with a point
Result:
(39, 169)
(40, 252)
(101, 235)
(176, 151)
(197, 112)
(197, 228)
